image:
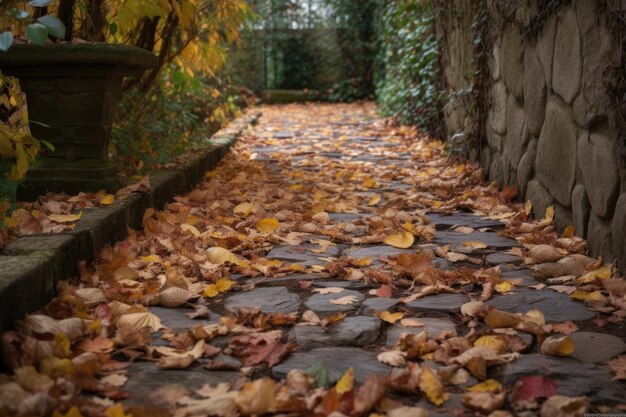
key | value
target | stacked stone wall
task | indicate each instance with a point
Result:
(554, 125)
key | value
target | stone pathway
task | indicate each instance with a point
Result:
(306, 206)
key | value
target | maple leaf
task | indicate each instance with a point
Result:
(533, 387)
(270, 353)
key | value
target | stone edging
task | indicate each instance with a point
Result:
(31, 265)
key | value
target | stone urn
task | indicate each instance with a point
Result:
(71, 91)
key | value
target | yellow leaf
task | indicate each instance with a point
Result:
(431, 386)
(490, 385)
(528, 207)
(563, 346)
(366, 261)
(600, 273)
(63, 344)
(107, 200)
(72, 412)
(504, 286)
(267, 225)
(151, 258)
(496, 343)
(568, 232)
(389, 317)
(218, 255)
(346, 382)
(256, 397)
(401, 239)
(210, 291)
(65, 218)
(549, 217)
(587, 296)
(116, 410)
(224, 284)
(475, 244)
(375, 199)
(244, 209)
(191, 229)
(369, 182)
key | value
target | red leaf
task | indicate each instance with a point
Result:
(529, 388)
(271, 353)
(384, 291)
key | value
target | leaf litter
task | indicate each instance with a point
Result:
(71, 358)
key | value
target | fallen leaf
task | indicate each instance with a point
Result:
(618, 366)
(65, 218)
(368, 395)
(267, 225)
(533, 387)
(244, 209)
(329, 290)
(374, 199)
(553, 346)
(484, 402)
(218, 255)
(566, 328)
(346, 300)
(137, 321)
(431, 386)
(496, 343)
(475, 244)
(472, 308)
(400, 239)
(257, 397)
(504, 287)
(392, 357)
(389, 317)
(107, 200)
(410, 322)
(562, 406)
(346, 382)
(490, 385)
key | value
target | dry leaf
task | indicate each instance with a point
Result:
(346, 300)
(401, 239)
(562, 406)
(267, 225)
(562, 346)
(392, 357)
(346, 382)
(257, 397)
(431, 386)
(329, 290)
(137, 321)
(65, 218)
(389, 317)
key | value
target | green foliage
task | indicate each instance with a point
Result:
(175, 116)
(406, 67)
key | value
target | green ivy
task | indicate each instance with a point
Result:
(406, 68)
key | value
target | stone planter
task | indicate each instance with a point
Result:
(71, 91)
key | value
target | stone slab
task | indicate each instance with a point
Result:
(372, 304)
(351, 331)
(301, 254)
(443, 222)
(268, 299)
(375, 252)
(336, 359)
(443, 303)
(498, 258)
(555, 306)
(596, 347)
(491, 239)
(320, 303)
(433, 326)
(575, 378)
(175, 318)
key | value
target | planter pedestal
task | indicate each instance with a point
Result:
(71, 91)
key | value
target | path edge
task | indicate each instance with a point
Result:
(31, 266)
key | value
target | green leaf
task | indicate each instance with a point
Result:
(39, 3)
(113, 28)
(37, 33)
(6, 40)
(54, 25)
(323, 376)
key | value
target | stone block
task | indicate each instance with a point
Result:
(526, 168)
(511, 60)
(600, 238)
(496, 172)
(545, 48)
(618, 227)
(494, 63)
(497, 112)
(516, 136)
(556, 152)
(567, 66)
(539, 196)
(581, 207)
(597, 158)
(563, 217)
(534, 92)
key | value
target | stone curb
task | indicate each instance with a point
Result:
(31, 265)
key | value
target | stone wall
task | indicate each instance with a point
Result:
(553, 122)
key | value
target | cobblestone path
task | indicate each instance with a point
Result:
(331, 239)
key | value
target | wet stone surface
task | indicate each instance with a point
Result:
(445, 303)
(596, 347)
(555, 306)
(370, 305)
(351, 331)
(321, 303)
(336, 359)
(175, 318)
(443, 222)
(491, 239)
(269, 300)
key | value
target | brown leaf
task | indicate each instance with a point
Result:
(369, 394)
